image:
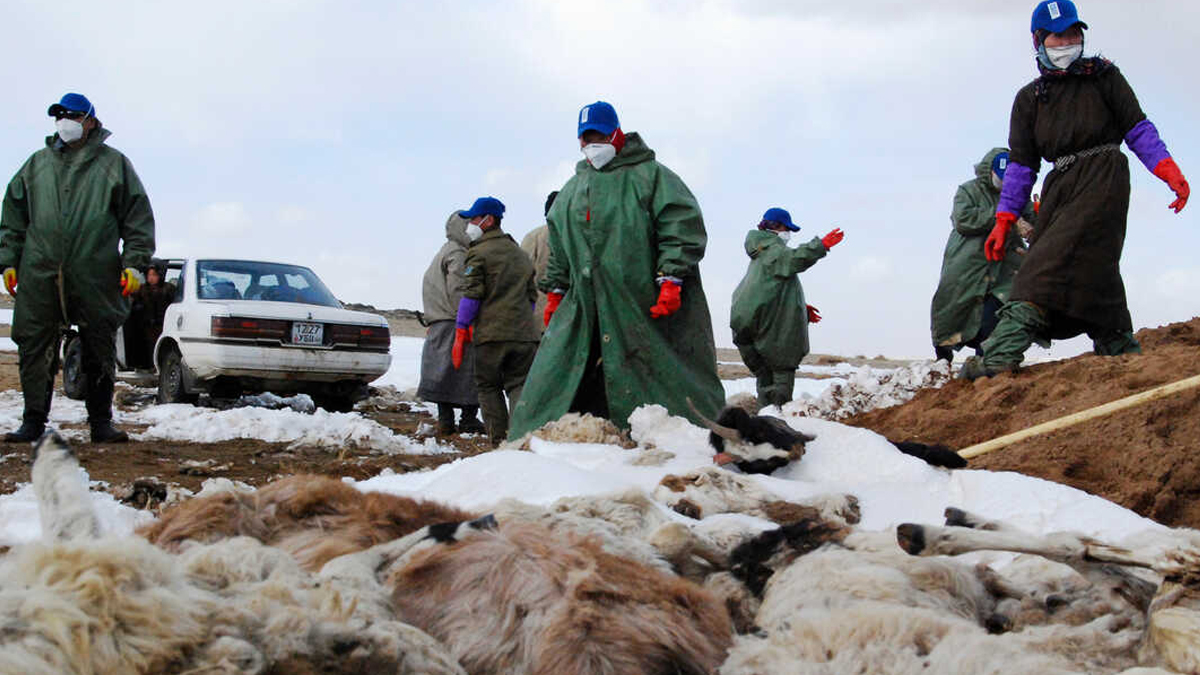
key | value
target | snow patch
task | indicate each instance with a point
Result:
(871, 389)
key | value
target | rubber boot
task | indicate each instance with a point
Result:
(468, 422)
(28, 432)
(445, 419)
(105, 432)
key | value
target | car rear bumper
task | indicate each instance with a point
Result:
(209, 359)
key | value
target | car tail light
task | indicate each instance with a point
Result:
(374, 337)
(248, 329)
(370, 337)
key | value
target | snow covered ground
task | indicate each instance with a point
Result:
(891, 487)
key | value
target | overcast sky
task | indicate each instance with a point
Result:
(340, 134)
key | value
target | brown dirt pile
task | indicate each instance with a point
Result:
(1146, 458)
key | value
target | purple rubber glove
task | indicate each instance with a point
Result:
(1144, 141)
(468, 309)
(1018, 182)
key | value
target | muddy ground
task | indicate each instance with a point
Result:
(142, 472)
(1146, 458)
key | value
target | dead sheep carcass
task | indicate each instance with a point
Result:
(762, 444)
(838, 601)
(1169, 601)
(556, 601)
(709, 490)
(80, 602)
(314, 518)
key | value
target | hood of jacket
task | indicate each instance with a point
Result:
(456, 229)
(635, 151)
(983, 170)
(758, 241)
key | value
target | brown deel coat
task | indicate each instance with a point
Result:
(1073, 264)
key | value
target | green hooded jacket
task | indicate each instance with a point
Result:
(967, 276)
(769, 312)
(66, 212)
(613, 232)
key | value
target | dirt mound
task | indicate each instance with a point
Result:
(1146, 458)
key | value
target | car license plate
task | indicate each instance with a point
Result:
(307, 333)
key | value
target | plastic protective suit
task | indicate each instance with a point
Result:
(968, 278)
(769, 317)
(613, 232)
(64, 218)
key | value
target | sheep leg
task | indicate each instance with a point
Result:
(64, 502)
(1183, 561)
(1098, 563)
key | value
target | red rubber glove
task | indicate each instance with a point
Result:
(668, 300)
(552, 300)
(813, 315)
(1170, 173)
(993, 248)
(10, 281)
(830, 240)
(461, 337)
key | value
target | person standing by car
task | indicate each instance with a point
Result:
(155, 296)
(972, 288)
(496, 313)
(627, 320)
(442, 383)
(768, 316)
(75, 228)
(1075, 115)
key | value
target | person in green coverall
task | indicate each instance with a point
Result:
(769, 317)
(972, 288)
(627, 322)
(64, 216)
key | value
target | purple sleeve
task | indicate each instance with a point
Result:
(468, 309)
(1143, 140)
(1014, 194)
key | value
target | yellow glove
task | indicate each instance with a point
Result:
(10, 280)
(131, 280)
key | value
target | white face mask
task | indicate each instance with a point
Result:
(474, 232)
(997, 180)
(785, 235)
(599, 154)
(1061, 57)
(69, 130)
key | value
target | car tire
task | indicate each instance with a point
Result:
(170, 379)
(74, 381)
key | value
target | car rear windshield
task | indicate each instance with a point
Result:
(247, 280)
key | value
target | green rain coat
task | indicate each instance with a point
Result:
(968, 277)
(65, 213)
(613, 231)
(769, 312)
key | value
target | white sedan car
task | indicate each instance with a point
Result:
(249, 326)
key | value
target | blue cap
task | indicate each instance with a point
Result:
(1054, 16)
(599, 116)
(778, 215)
(999, 164)
(72, 103)
(484, 206)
